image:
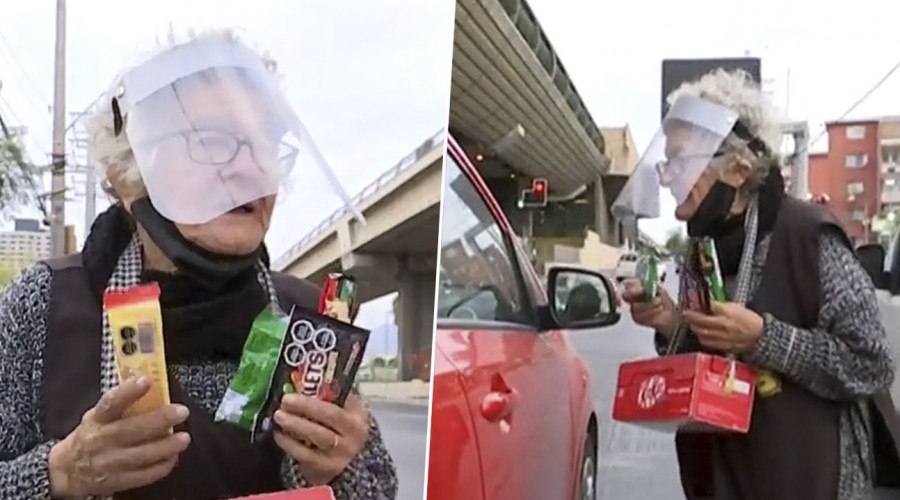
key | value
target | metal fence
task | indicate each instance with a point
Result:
(435, 140)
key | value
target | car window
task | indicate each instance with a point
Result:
(477, 280)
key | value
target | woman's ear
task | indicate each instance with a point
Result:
(737, 172)
(124, 188)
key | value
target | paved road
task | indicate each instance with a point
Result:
(635, 464)
(404, 428)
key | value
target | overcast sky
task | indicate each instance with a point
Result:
(369, 78)
(835, 54)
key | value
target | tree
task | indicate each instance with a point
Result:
(20, 180)
(675, 242)
(7, 273)
(395, 307)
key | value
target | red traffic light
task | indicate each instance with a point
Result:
(539, 186)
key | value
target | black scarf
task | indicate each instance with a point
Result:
(729, 237)
(200, 323)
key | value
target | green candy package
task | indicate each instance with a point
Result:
(701, 276)
(649, 270)
(245, 398)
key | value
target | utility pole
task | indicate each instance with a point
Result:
(58, 181)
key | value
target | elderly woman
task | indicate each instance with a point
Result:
(802, 310)
(194, 144)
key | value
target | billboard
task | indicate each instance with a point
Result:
(678, 71)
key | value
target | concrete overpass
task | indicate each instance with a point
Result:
(507, 79)
(394, 251)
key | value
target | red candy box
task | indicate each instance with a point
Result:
(698, 392)
(318, 493)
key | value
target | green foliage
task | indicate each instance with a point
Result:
(20, 180)
(7, 273)
(395, 307)
(675, 242)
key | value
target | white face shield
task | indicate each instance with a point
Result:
(689, 138)
(212, 132)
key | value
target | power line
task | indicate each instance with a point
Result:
(28, 81)
(855, 105)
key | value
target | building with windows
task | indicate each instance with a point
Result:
(26, 244)
(860, 174)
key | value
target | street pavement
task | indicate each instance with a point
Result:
(404, 427)
(635, 463)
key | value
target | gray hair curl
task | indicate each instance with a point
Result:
(737, 91)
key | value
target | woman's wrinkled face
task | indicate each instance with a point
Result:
(731, 169)
(238, 232)
(223, 150)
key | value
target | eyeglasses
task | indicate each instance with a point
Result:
(672, 168)
(218, 147)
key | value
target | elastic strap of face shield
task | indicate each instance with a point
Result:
(754, 143)
(118, 119)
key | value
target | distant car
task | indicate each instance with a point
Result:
(884, 269)
(512, 414)
(627, 267)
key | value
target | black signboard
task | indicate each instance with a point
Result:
(678, 71)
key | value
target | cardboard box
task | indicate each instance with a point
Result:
(688, 391)
(317, 493)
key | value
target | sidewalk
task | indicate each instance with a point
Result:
(414, 392)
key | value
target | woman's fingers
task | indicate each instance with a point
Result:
(145, 455)
(142, 477)
(305, 430)
(145, 427)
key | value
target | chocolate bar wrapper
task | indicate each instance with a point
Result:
(701, 277)
(319, 358)
(649, 271)
(712, 273)
(339, 297)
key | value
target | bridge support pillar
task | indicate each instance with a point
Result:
(415, 321)
(602, 219)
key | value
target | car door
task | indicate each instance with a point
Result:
(454, 466)
(512, 375)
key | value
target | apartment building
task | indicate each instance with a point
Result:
(861, 174)
(27, 243)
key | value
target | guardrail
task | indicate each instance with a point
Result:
(435, 140)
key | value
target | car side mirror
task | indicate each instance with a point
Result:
(581, 299)
(871, 258)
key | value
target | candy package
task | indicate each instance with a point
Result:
(701, 277)
(307, 352)
(135, 320)
(245, 397)
(322, 351)
(648, 269)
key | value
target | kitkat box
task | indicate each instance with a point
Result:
(700, 392)
(318, 493)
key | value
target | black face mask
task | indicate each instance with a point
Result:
(206, 268)
(712, 215)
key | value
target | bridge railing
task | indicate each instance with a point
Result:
(435, 140)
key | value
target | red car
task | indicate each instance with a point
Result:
(511, 410)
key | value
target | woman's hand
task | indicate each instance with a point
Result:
(729, 328)
(322, 437)
(108, 453)
(659, 314)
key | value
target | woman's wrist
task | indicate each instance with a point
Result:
(668, 330)
(56, 471)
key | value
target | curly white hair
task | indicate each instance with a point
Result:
(737, 91)
(110, 153)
